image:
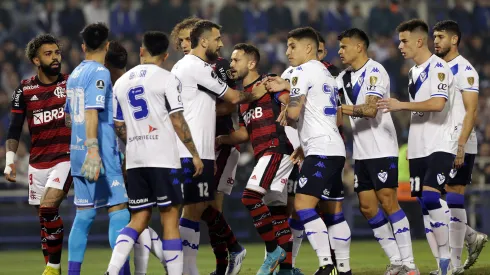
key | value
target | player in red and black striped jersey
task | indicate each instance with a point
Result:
(222, 238)
(272, 150)
(41, 99)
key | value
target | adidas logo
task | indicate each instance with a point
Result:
(34, 98)
(253, 177)
(57, 180)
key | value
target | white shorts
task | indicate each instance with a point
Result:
(226, 163)
(57, 177)
(270, 173)
(276, 198)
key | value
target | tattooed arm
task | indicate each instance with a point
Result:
(120, 128)
(368, 109)
(184, 132)
(294, 108)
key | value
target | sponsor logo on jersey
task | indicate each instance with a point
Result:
(254, 177)
(151, 129)
(43, 117)
(138, 201)
(30, 87)
(57, 180)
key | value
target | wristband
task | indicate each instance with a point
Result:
(9, 158)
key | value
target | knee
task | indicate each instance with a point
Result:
(302, 201)
(84, 218)
(389, 204)
(431, 200)
(368, 210)
(194, 211)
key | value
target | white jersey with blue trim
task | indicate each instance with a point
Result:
(317, 125)
(466, 80)
(200, 88)
(432, 131)
(291, 133)
(145, 97)
(373, 137)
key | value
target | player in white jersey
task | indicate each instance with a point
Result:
(313, 111)
(446, 40)
(363, 83)
(432, 138)
(200, 88)
(149, 112)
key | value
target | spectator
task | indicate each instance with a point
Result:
(124, 21)
(337, 19)
(358, 19)
(174, 12)
(406, 11)
(195, 9)
(48, 18)
(5, 23)
(96, 11)
(72, 20)
(280, 19)
(209, 13)
(255, 22)
(231, 18)
(481, 17)
(438, 10)
(312, 16)
(461, 15)
(151, 15)
(380, 21)
(24, 18)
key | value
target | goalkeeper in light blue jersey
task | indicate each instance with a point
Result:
(94, 156)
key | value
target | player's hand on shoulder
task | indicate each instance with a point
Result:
(259, 89)
(389, 105)
(10, 173)
(276, 84)
(198, 166)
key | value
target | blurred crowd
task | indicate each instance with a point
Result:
(263, 23)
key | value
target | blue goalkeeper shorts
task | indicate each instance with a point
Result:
(107, 191)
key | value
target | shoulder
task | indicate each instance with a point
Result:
(287, 73)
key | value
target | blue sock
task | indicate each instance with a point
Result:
(77, 241)
(117, 221)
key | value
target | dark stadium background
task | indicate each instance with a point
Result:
(264, 23)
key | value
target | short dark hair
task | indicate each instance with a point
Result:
(36, 43)
(94, 36)
(320, 37)
(304, 32)
(199, 28)
(187, 23)
(155, 42)
(249, 49)
(116, 56)
(448, 26)
(413, 25)
(356, 33)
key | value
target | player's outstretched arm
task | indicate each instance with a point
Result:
(294, 108)
(224, 108)
(120, 129)
(368, 109)
(237, 137)
(184, 133)
(277, 84)
(434, 104)
(470, 100)
(236, 97)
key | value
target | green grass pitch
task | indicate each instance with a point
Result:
(367, 257)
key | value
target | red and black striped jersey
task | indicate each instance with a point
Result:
(43, 106)
(259, 117)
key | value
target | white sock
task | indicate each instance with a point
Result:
(340, 238)
(439, 221)
(57, 266)
(172, 250)
(383, 233)
(317, 234)
(401, 230)
(156, 245)
(431, 238)
(190, 235)
(124, 244)
(297, 229)
(470, 235)
(457, 226)
(142, 253)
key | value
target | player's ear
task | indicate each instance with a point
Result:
(165, 56)
(454, 40)
(84, 48)
(106, 48)
(36, 61)
(142, 51)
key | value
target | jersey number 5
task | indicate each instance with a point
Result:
(138, 102)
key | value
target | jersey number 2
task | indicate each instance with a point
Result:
(138, 102)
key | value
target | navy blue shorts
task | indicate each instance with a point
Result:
(199, 189)
(433, 171)
(375, 174)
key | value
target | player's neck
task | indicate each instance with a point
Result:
(96, 56)
(359, 62)
(199, 53)
(422, 57)
(46, 79)
(451, 55)
(250, 78)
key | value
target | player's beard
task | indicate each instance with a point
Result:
(49, 71)
(212, 56)
(443, 52)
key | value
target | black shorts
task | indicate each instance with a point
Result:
(321, 177)
(150, 185)
(199, 189)
(462, 176)
(432, 171)
(293, 181)
(375, 174)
